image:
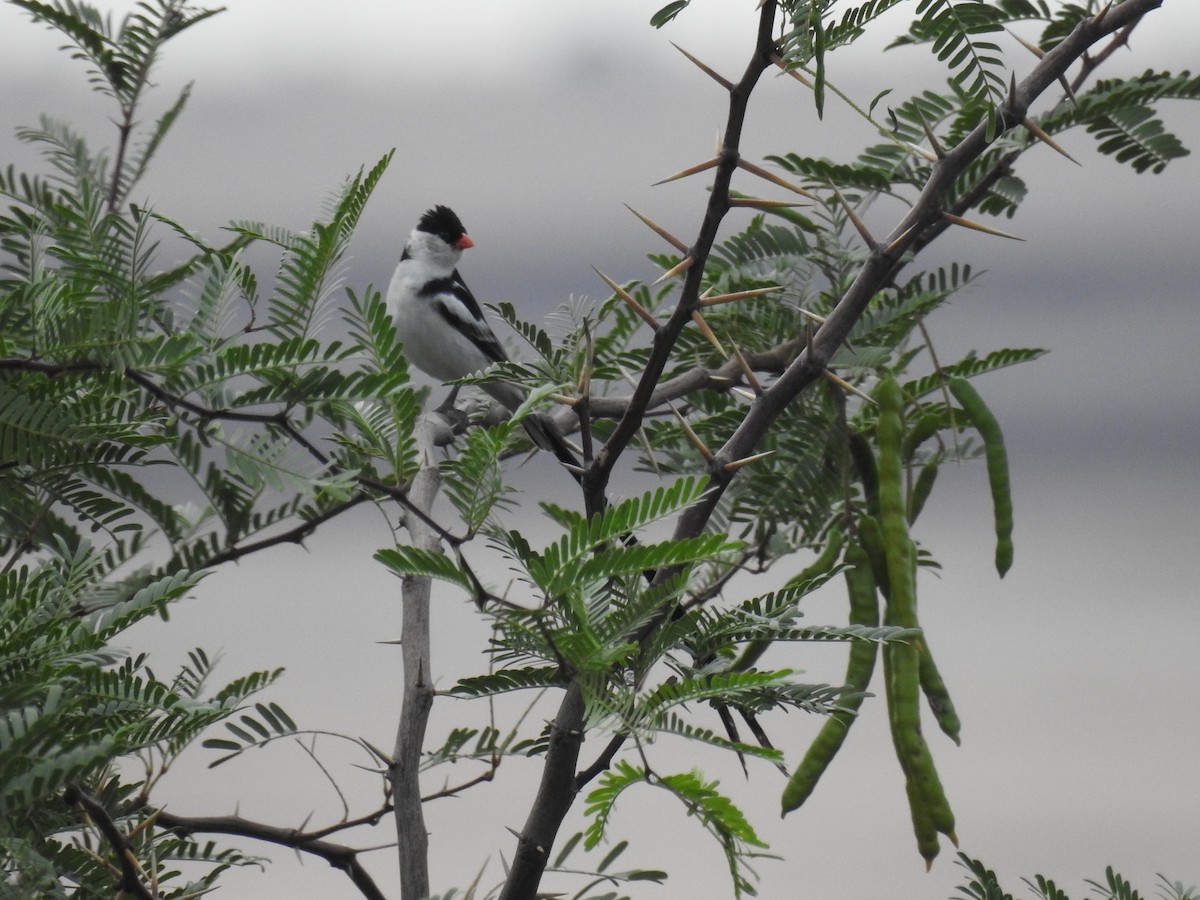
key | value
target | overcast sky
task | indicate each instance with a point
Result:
(1076, 676)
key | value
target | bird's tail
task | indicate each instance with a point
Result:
(546, 436)
(540, 427)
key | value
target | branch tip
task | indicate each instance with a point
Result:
(1068, 90)
(1040, 53)
(778, 60)
(738, 463)
(859, 225)
(583, 387)
(747, 372)
(900, 239)
(1031, 47)
(757, 203)
(690, 434)
(927, 155)
(934, 144)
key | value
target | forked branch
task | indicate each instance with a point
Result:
(806, 362)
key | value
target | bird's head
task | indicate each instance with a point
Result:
(437, 243)
(441, 222)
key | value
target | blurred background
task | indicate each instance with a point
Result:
(1076, 676)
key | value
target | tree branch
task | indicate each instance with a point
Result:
(337, 855)
(559, 782)
(131, 869)
(596, 477)
(603, 761)
(802, 369)
(295, 535)
(405, 768)
(882, 260)
(1120, 28)
(554, 797)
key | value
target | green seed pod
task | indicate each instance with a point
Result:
(926, 426)
(923, 487)
(898, 547)
(926, 834)
(864, 465)
(825, 561)
(864, 610)
(997, 466)
(938, 697)
(927, 799)
(904, 716)
(871, 540)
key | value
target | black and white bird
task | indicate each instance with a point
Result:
(440, 323)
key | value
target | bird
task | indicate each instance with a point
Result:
(441, 326)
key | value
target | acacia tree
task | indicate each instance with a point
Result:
(779, 382)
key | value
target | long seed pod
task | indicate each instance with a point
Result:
(864, 610)
(926, 834)
(864, 465)
(938, 697)
(922, 487)
(824, 562)
(926, 426)
(871, 539)
(997, 466)
(893, 507)
(902, 660)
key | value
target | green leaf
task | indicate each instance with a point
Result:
(953, 28)
(411, 561)
(969, 367)
(507, 680)
(668, 12)
(1133, 135)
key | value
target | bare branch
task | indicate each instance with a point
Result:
(337, 855)
(603, 761)
(596, 478)
(295, 535)
(405, 769)
(554, 797)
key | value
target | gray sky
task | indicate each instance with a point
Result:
(1076, 676)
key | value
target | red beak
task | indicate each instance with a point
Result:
(464, 242)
